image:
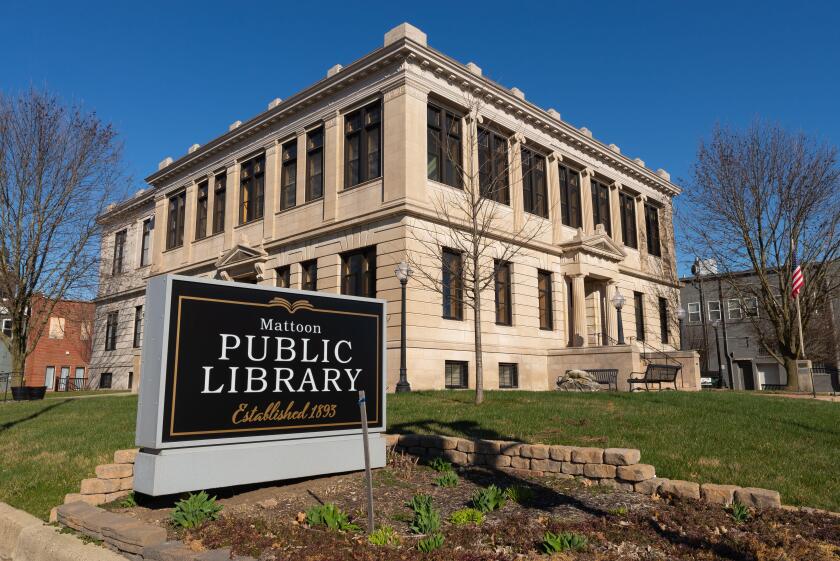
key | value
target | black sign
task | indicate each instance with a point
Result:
(246, 362)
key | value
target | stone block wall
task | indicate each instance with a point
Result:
(112, 481)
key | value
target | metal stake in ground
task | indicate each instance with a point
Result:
(368, 477)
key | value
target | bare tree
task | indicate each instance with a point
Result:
(759, 197)
(58, 164)
(475, 220)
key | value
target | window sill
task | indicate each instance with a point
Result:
(452, 319)
(504, 324)
(173, 248)
(442, 184)
(296, 207)
(249, 223)
(207, 237)
(364, 183)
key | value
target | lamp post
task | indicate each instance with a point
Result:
(403, 272)
(618, 302)
(681, 319)
(715, 325)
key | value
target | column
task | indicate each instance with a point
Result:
(333, 165)
(586, 200)
(610, 313)
(272, 189)
(300, 170)
(210, 178)
(515, 166)
(189, 222)
(159, 234)
(615, 212)
(641, 233)
(404, 142)
(231, 203)
(555, 210)
(579, 310)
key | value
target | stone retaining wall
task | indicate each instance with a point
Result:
(113, 481)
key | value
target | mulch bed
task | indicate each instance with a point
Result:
(267, 522)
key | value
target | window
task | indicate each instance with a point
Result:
(503, 293)
(601, 206)
(451, 280)
(694, 312)
(288, 175)
(284, 277)
(362, 145)
(309, 273)
(734, 309)
(56, 328)
(105, 380)
(219, 196)
(443, 146)
(201, 210)
(508, 375)
(455, 374)
(146, 242)
(175, 221)
(493, 166)
(570, 197)
(119, 252)
(714, 310)
(751, 307)
(79, 381)
(652, 229)
(534, 183)
(315, 164)
(663, 320)
(49, 377)
(627, 204)
(251, 190)
(358, 273)
(111, 331)
(138, 326)
(7, 327)
(639, 305)
(545, 300)
(130, 380)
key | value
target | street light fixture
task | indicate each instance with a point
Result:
(618, 302)
(681, 319)
(403, 272)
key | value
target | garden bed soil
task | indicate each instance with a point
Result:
(268, 522)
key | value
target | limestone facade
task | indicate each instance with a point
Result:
(237, 208)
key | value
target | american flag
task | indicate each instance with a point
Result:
(798, 279)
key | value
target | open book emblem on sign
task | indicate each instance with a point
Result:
(291, 307)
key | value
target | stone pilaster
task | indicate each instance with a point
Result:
(272, 189)
(211, 201)
(333, 168)
(189, 222)
(517, 203)
(300, 175)
(610, 313)
(231, 203)
(555, 211)
(586, 200)
(578, 311)
(404, 133)
(615, 212)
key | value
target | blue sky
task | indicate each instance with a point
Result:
(652, 77)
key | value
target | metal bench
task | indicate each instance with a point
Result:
(656, 374)
(605, 376)
(773, 387)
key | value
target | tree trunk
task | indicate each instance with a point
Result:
(792, 374)
(479, 364)
(18, 365)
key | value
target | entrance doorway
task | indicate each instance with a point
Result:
(747, 375)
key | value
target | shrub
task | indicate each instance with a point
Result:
(448, 479)
(195, 510)
(466, 516)
(384, 535)
(489, 499)
(129, 501)
(739, 512)
(555, 543)
(430, 543)
(520, 494)
(426, 518)
(439, 464)
(330, 516)
(619, 511)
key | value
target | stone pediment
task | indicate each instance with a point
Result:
(239, 254)
(597, 243)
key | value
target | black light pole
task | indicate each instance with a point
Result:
(618, 302)
(715, 324)
(681, 318)
(403, 271)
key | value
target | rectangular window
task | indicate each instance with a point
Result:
(79, 378)
(105, 380)
(288, 175)
(545, 300)
(7, 327)
(639, 305)
(284, 277)
(734, 309)
(601, 206)
(534, 183)
(309, 275)
(493, 166)
(570, 197)
(504, 310)
(175, 220)
(146, 242)
(663, 320)
(251, 190)
(694, 315)
(443, 137)
(56, 328)
(315, 164)
(451, 280)
(751, 307)
(455, 374)
(119, 252)
(358, 273)
(362, 145)
(111, 331)
(652, 229)
(201, 210)
(627, 204)
(85, 331)
(138, 326)
(508, 375)
(714, 310)
(219, 198)
(49, 377)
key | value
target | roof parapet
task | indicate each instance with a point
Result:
(166, 162)
(193, 148)
(333, 70)
(405, 31)
(274, 103)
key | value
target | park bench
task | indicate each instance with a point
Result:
(605, 376)
(656, 374)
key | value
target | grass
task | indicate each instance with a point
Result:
(791, 445)
(83, 393)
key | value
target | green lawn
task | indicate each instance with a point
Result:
(791, 445)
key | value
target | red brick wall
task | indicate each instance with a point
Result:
(70, 351)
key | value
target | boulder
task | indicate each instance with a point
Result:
(578, 381)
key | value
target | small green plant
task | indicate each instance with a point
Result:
(556, 543)
(426, 517)
(520, 494)
(439, 464)
(430, 543)
(129, 501)
(330, 516)
(489, 499)
(195, 510)
(739, 512)
(384, 535)
(448, 479)
(466, 516)
(619, 511)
